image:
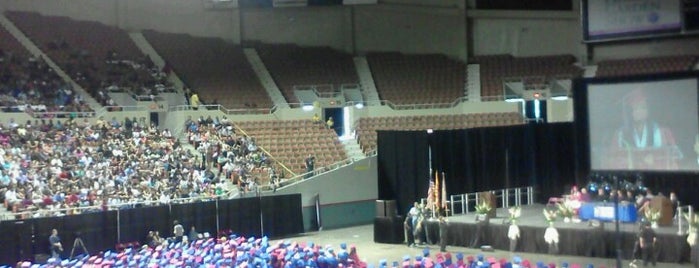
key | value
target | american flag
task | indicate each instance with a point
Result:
(430, 194)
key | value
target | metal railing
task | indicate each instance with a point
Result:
(680, 218)
(462, 203)
(221, 108)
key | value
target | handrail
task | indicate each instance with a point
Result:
(111, 207)
(467, 199)
(300, 177)
(266, 152)
(240, 111)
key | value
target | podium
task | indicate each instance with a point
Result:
(489, 197)
(664, 205)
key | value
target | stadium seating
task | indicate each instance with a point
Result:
(366, 127)
(533, 71)
(292, 65)
(417, 79)
(214, 68)
(291, 141)
(28, 84)
(100, 58)
(645, 65)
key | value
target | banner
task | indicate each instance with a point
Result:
(627, 17)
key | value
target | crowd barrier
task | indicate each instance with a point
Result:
(273, 216)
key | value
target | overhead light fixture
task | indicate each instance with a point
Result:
(514, 100)
(307, 107)
(359, 105)
(560, 98)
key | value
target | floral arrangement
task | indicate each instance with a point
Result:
(483, 208)
(551, 235)
(652, 215)
(565, 210)
(515, 213)
(550, 215)
(693, 222)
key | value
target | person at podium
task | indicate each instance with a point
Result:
(640, 142)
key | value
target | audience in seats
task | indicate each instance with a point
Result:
(235, 157)
(28, 84)
(58, 167)
(100, 58)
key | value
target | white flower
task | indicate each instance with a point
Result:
(692, 238)
(513, 232)
(515, 212)
(551, 235)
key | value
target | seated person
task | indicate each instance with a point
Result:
(602, 196)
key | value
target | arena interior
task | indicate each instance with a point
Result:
(121, 116)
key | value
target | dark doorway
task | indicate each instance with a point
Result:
(154, 119)
(338, 119)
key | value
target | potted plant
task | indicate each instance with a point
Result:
(566, 211)
(652, 216)
(483, 211)
(693, 222)
(551, 234)
(513, 231)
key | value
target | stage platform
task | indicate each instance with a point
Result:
(575, 238)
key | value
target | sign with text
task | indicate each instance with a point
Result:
(619, 18)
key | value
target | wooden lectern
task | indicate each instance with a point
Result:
(489, 197)
(664, 205)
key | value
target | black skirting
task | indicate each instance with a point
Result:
(589, 242)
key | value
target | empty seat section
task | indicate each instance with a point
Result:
(214, 68)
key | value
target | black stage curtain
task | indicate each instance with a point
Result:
(17, 241)
(280, 215)
(242, 216)
(575, 242)
(135, 223)
(202, 215)
(476, 159)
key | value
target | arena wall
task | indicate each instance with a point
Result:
(347, 195)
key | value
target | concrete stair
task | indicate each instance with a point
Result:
(473, 84)
(371, 95)
(265, 78)
(145, 47)
(352, 148)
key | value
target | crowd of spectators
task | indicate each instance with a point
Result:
(28, 84)
(55, 167)
(236, 157)
(114, 73)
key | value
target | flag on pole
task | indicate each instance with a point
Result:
(444, 191)
(437, 200)
(430, 194)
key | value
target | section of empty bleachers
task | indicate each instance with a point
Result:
(28, 84)
(645, 65)
(214, 68)
(100, 58)
(417, 79)
(291, 141)
(367, 126)
(292, 65)
(533, 71)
